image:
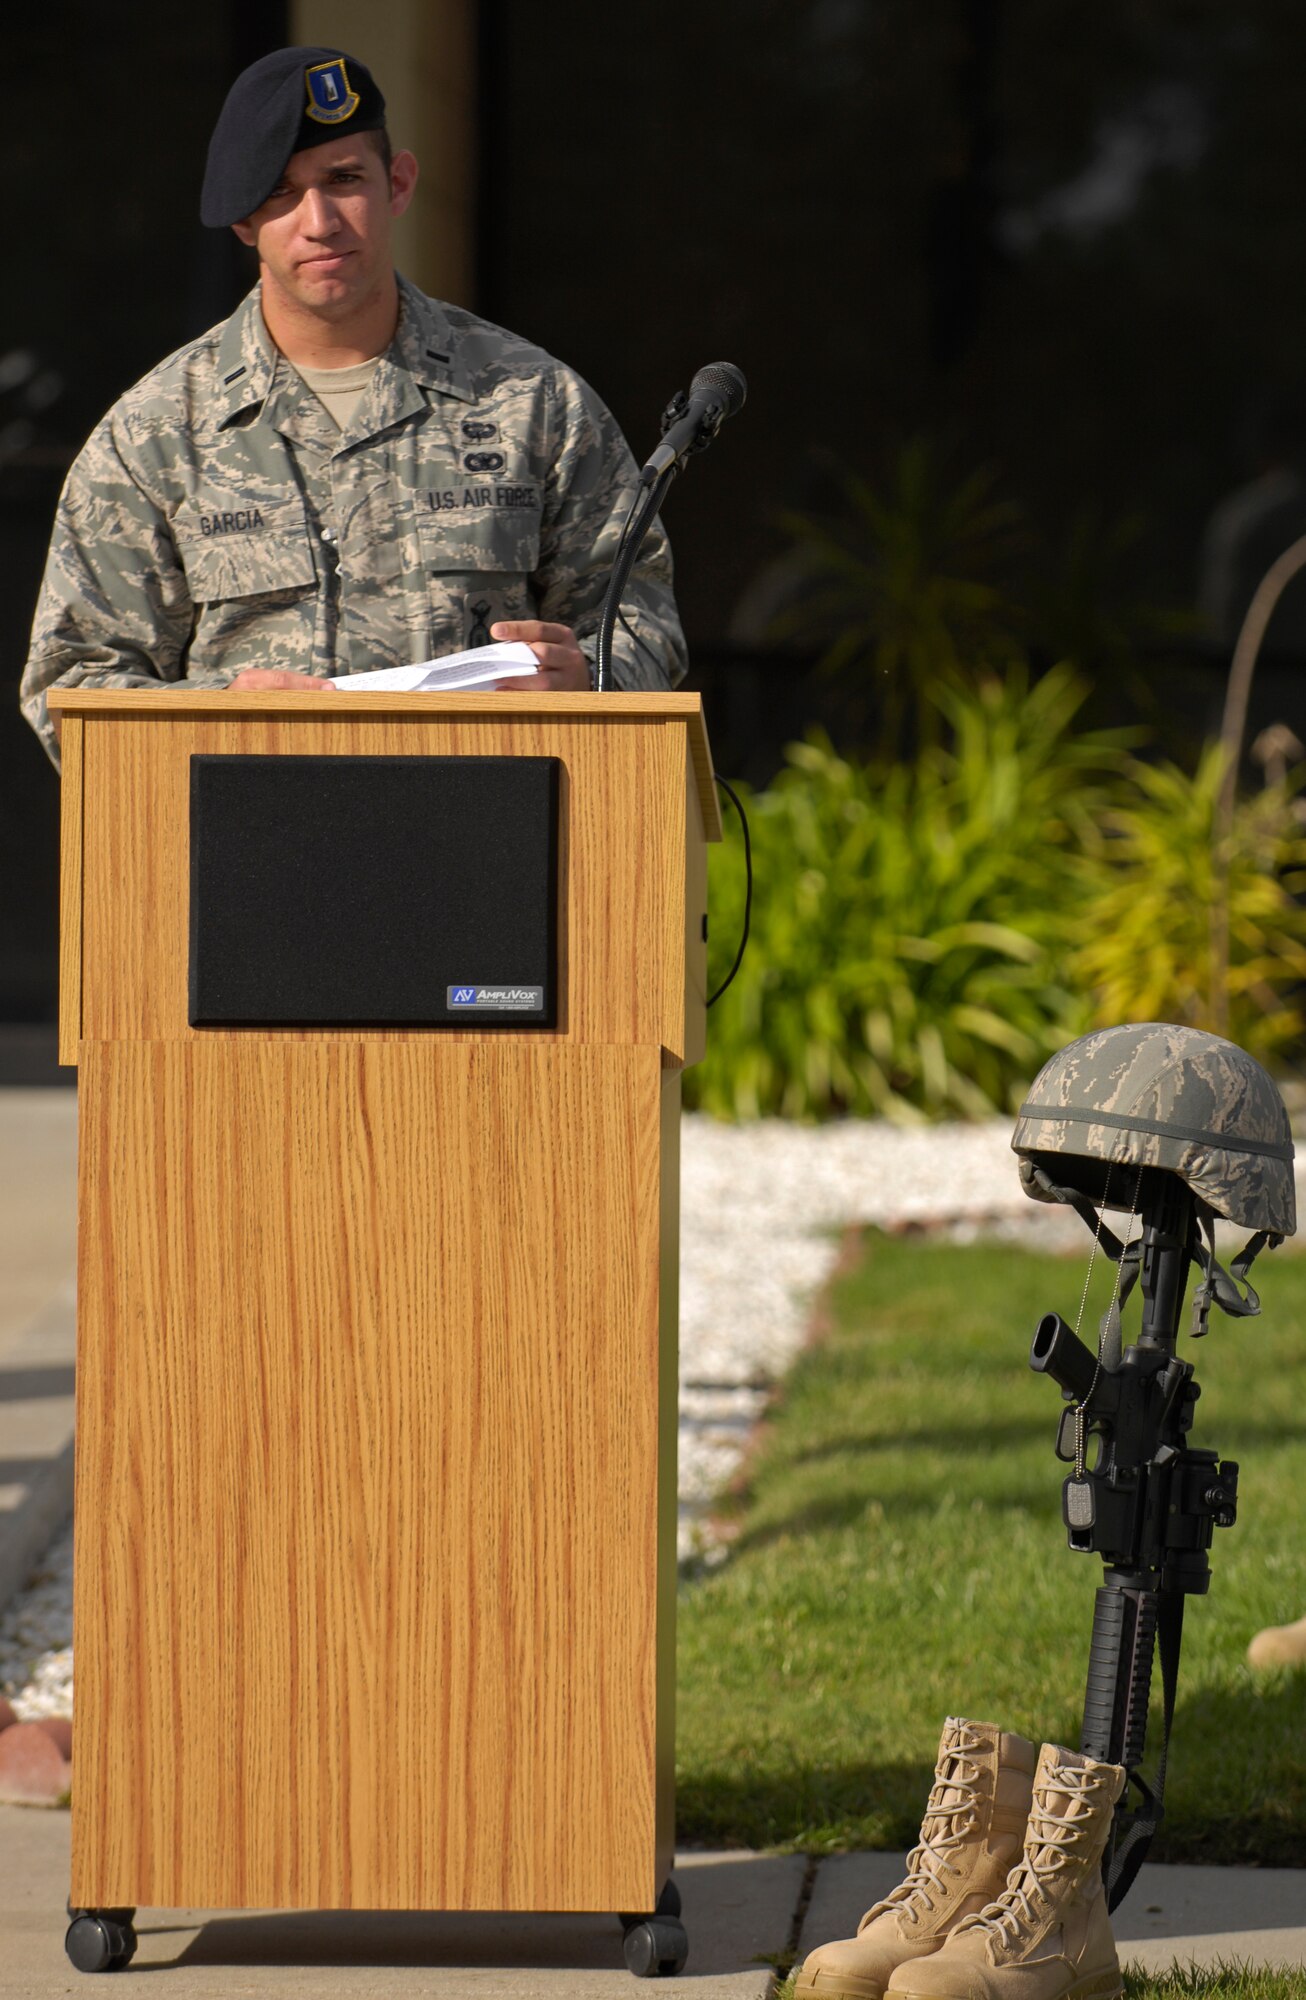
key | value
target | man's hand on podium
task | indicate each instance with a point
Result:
(562, 664)
(274, 677)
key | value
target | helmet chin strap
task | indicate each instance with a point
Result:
(1230, 1290)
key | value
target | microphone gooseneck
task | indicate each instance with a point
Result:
(689, 424)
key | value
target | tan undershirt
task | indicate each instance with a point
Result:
(341, 390)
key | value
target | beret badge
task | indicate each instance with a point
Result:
(331, 98)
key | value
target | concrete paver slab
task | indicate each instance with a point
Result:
(38, 1202)
(846, 1885)
(1202, 1916)
(1209, 1916)
(38, 1168)
(736, 1906)
(36, 1439)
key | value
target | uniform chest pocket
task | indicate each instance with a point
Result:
(482, 531)
(252, 551)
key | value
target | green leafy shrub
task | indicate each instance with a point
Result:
(925, 935)
(1146, 950)
(911, 923)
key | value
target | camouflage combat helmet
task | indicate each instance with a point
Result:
(1157, 1095)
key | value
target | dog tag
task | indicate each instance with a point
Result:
(1077, 1504)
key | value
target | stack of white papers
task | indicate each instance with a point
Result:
(456, 670)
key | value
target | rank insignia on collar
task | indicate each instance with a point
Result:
(331, 99)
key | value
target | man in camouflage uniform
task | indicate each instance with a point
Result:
(345, 475)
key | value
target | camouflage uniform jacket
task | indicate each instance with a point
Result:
(217, 519)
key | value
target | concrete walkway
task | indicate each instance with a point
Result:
(737, 1907)
(740, 1911)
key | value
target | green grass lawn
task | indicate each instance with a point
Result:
(900, 1557)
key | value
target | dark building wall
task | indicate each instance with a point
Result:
(1061, 242)
(727, 183)
(108, 272)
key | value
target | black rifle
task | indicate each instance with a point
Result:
(1141, 1498)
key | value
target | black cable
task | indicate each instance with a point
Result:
(643, 511)
(636, 501)
(633, 509)
(733, 797)
(622, 619)
(727, 788)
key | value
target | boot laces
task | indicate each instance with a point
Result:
(954, 1806)
(1054, 1842)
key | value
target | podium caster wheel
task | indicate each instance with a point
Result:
(655, 1948)
(100, 1943)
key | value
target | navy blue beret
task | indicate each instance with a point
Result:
(280, 105)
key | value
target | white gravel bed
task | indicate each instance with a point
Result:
(762, 1210)
(763, 1207)
(36, 1638)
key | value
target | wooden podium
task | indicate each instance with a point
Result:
(376, 1368)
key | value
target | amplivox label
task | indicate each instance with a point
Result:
(502, 999)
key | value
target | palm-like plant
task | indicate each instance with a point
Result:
(905, 587)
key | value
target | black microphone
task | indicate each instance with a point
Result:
(691, 423)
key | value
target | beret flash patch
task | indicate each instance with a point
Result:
(331, 98)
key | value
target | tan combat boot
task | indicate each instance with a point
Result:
(970, 1838)
(1048, 1935)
